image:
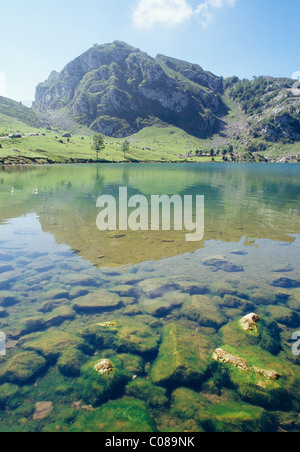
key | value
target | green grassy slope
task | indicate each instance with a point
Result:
(151, 144)
(12, 113)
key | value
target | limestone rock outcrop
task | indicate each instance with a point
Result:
(249, 322)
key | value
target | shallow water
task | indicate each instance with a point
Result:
(52, 251)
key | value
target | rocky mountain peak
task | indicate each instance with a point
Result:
(117, 89)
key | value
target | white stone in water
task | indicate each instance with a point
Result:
(104, 367)
(249, 322)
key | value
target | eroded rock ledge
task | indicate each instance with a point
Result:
(224, 357)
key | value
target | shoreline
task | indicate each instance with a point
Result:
(26, 161)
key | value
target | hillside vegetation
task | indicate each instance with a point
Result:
(168, 110)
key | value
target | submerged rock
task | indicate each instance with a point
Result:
(103, 380)
(183, 357)
(123, 416)
(7, 393)
(136, 337)
(79, 280)
(232, 301)
(59, 316)
(249, 322)
(49, 306)
(22, 368)
(193, 288)
(70, 362)
(3, 313)
(284, 315)
(154, 396)
(220, 263)
(8, 298)
(56, 294)
(157, 287)
(42, 410)
(104, 367)
(227, 416)
(51, 345)
(266, 334)
(286, 283)
(125, 290)
(6, 268)
(160, 307)
(98, 302)
(224, 357)
(203, 309)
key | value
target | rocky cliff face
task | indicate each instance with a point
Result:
(116, 89)
(272, 106)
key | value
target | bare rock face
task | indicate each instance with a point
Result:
(117, 90)
(249, 322)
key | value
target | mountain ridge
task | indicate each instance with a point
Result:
(117, 89)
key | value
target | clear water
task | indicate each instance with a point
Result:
(48, 234)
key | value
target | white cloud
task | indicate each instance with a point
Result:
(167, 12)
(2, 84)
(206, 10)
(296, 75)
(173, 12)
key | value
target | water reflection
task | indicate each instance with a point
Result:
(242, 202)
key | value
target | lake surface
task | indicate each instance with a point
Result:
(170, 303)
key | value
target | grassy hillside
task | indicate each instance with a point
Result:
(13, 113)
(151, 144)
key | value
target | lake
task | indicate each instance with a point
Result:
(118, 330)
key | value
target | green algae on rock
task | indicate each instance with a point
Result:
(154, 396)
(59, 315)
(22, 368)
(228, 416)
(98, 387)
(97, 302)
(160, 307)
(52, 344)
(262, 379)
(128, 336)
(186, 353)
(100, 335)
(70, 362)
(133, 363)
(123, 416)
(136, 337)
(7, 392)
(205, 311)
(267, 335)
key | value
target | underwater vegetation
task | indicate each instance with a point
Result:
(151, 355)
(143, 332)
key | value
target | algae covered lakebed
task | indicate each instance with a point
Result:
(140, 331)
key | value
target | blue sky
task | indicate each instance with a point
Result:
(227, 37)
